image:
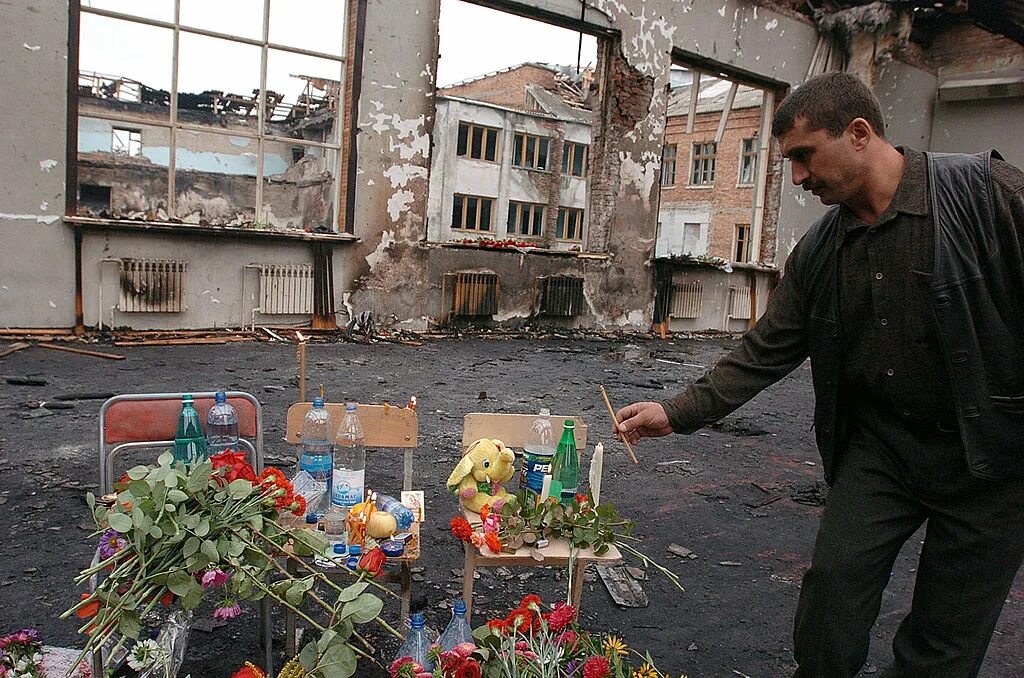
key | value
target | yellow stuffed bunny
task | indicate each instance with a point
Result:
(478, 477)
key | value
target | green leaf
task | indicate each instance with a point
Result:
(90, 500)
(192, 545)
(326, 639)
(339, 661)
(179, 582)
(363, 609)
(344, 629)
(235, 548)
(155, 532)
(191, 599)
(203, 528)
(138, 472)
(307, 542)
(256, 523)
(119, 522)
(352, 592)
(165, 459)
(177, 496)
(199, 478)
(309, 656)
(209, 549)
(139, 488)
(129, 623)
(239, 489)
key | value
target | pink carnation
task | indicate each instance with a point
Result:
(226, 612)
(214, 577)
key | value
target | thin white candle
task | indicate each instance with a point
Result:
(596, 464)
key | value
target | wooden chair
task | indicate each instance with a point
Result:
(384, 426)
(134, 421)
(512, 429)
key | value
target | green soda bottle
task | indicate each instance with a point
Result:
(566, 466)
(189, 441)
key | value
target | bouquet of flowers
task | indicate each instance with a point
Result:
(532, 642)
(175, 535)
(21, 655)
(522, 521)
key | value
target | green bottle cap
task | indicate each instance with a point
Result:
(569, 423)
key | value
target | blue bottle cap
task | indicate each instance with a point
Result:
(318, 402)
(350, 407)
(339, 549)
(220, 398)
(417, 620)
(355, 550)
(460, 607)
(312, 518)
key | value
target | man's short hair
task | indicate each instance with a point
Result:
(829, 102)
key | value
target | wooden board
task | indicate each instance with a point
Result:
(383, 425)
(624, 590)
(555, 553)
(11, 348)
(82, 351)
(512, 429)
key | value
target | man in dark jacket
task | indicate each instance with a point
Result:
(908, 297)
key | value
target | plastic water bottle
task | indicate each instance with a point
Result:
(458, 630)
(189, 441)
(539, 451)
(349, 461)
(336, 524)
(221, 426)
(417, 643)
(317, 454)
(402, 513)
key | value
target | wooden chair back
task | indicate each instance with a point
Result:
(512, 429)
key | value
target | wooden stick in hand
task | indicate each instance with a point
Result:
(615, 420)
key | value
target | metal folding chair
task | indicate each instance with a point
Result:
(145, 420)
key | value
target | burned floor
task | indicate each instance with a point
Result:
(732, 510)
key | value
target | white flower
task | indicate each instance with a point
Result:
(145, 654)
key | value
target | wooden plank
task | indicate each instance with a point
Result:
(183, 341)
(29, 331)
(694, 95)
(512, 429)
(625, 590)
(16, 346)
(729, 98)
(383, 425)
(555, 553)
(82, 351)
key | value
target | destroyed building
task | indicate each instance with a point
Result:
(180, 205)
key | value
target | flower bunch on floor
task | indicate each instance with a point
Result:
(175, 535)
(21, 654)
(532, 642)
(522, 521)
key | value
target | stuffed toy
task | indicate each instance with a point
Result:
(478, 477)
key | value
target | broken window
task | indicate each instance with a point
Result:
(668, 165)
(240, 103)
(703, 165)
(741, 252)
(95, 197)
(569, 225)
(530, 151)
(472, 213)
(525, 218)
(574, 159)
(126, 141)
(478, 142)
(748, 161)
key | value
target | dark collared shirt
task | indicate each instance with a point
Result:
(891, 352)
(884, 272)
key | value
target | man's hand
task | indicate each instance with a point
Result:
(643, 420)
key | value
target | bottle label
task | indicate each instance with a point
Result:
(348, 487)
(535, 466)
(317, 466)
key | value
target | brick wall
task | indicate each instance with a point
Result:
(729, 204)
(504, 89)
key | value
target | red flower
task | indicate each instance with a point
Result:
(249, 671)
(88, 610)
(166, 599)
(530, 601)
(237, 466)
(568, 639)
(300, 505)
(595, 667)
(469, 669)
(497, 625)
(372, 562)
(460, 528)
(561, 617)
(493, 542)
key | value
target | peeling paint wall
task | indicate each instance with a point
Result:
(37, 277)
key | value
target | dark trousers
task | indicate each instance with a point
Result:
(891, 479)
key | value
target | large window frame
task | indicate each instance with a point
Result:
(569, 225)
(746, 170)
(469, 213)
(332, 148)
(525, 219)
(703, 159)
(574, 158)
(478, 142)
(529, 151)
(741, 243)
(668, 165)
